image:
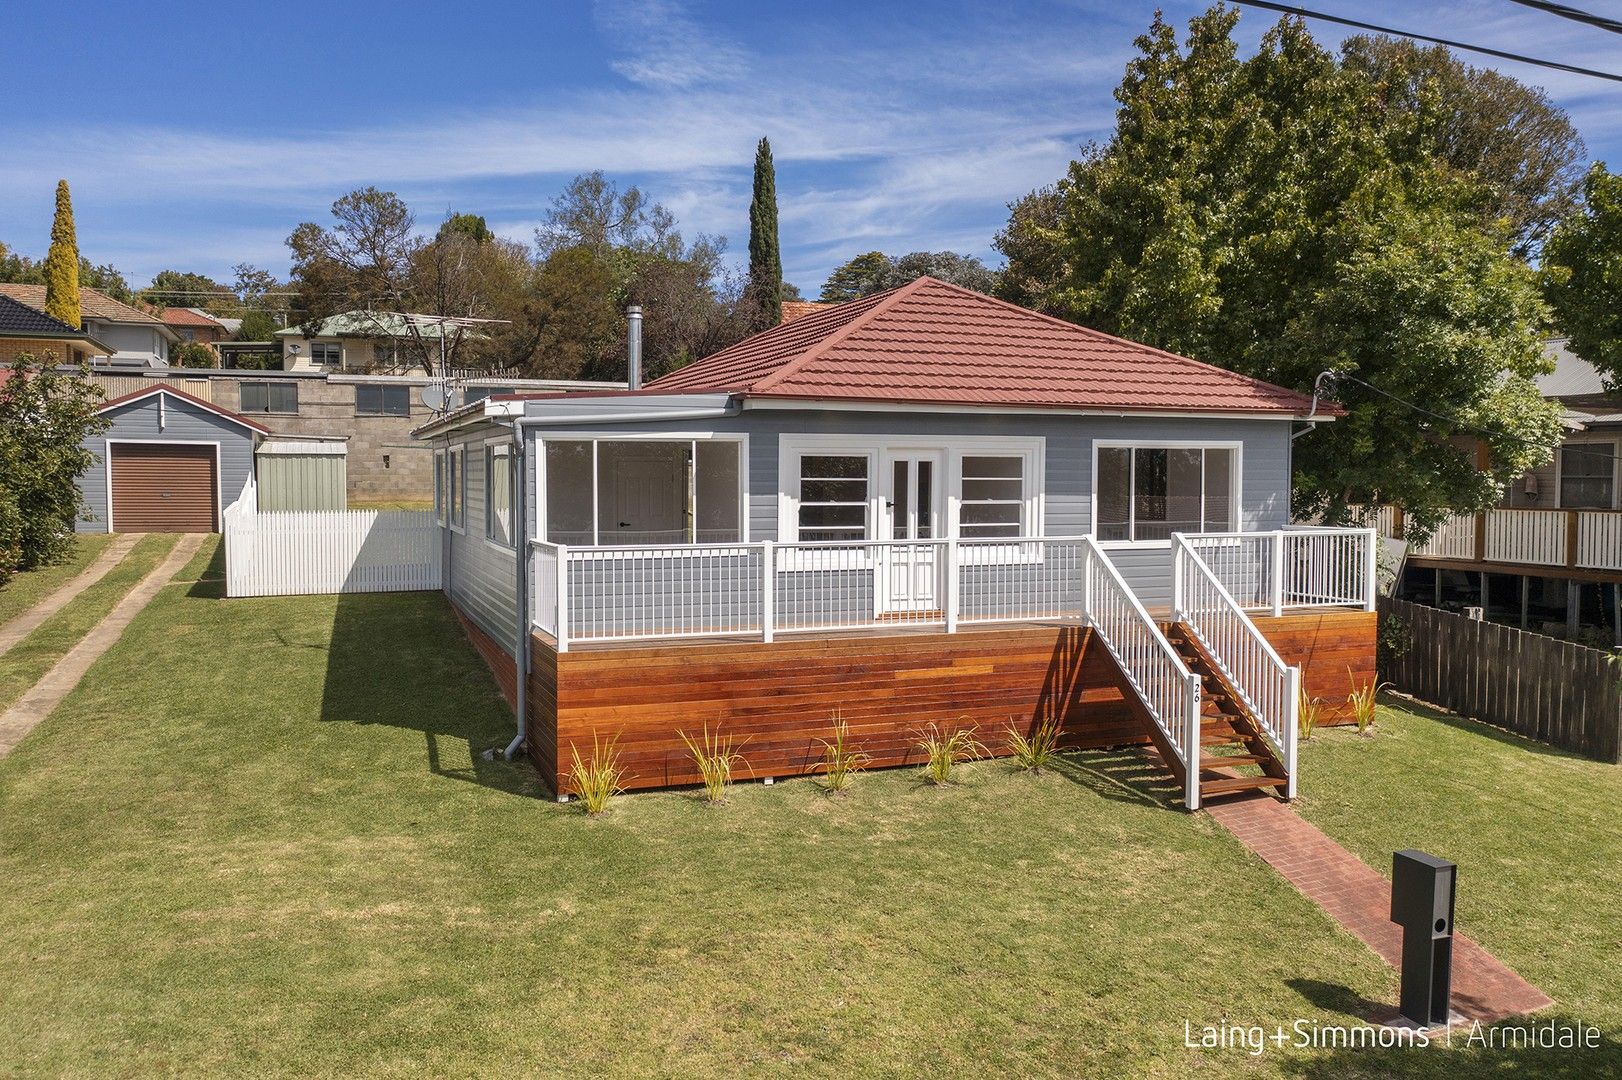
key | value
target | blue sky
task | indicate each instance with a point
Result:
(195, 137)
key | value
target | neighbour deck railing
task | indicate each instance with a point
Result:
(1169, 692)
(766, 588)
(1267, 686)
(1576, 539)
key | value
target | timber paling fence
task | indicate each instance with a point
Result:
(1554, 691)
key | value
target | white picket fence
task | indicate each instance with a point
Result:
(299, 552)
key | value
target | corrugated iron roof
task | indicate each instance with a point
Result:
(931, 342)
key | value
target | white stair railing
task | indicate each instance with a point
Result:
(1168, 690)
(1267, 687)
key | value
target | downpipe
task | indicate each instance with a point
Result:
(521, 560)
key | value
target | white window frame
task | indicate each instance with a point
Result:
(456, 487)
(596, 436)
(441, 511)
(954, 448)
(494, 448)
(324, 346)
(1235, 481)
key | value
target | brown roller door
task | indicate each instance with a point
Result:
(162, 487)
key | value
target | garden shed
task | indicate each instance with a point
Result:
(302, 474)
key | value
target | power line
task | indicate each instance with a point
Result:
(1566, 11)
(1290, 9)
(1473, 429)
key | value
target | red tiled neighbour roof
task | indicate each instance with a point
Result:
(179, 316)
(929, 342)
(161, 388)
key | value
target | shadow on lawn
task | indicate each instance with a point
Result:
(210, 584)
(1125, 774)
(1473, 726)
(400, 659)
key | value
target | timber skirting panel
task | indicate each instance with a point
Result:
(1335, 650)
(780, 700)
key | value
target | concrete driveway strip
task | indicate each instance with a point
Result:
(30, 620)
(40, 701)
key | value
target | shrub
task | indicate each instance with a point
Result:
(1308, 709)
(715, 757)
(193, 354)
(598, 780)
(1393, 642)
(943, 752)
(46, 417)
(11, 534)
(842, 759)
(1362, 700)
(1035, 751)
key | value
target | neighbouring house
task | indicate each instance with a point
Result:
(369, 416)
(134, 338)
(923, 507)
(168, 462)
(1549, 557)
(382, 342)
(25, 331)
(195, 324)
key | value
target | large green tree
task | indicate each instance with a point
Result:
(17, 268)
(46, 416)
(765, 260)
(874, 271)
(1265, 215)
(62, 262)
(1481, 123)
(1582, 265)
(182, 288)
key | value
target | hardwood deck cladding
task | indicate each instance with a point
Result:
(779, 699)
(1335, 649)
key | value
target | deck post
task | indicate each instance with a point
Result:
(1087, 585)
(951, 585)
(768, 587)
(1177, 543)
(1292, 713)
(561, 623)
(1191, 743)
(1278, 573)
(1371, 569)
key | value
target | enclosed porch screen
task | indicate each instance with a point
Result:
(632, 492)
(1150, 492)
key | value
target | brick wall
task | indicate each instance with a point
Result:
(12, 348)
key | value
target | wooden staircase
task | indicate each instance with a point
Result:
(1234, 756)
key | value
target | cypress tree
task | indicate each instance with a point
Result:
(62, 263)
(765, 262)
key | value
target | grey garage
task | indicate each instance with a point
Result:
(169, 462)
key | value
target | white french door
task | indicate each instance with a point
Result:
(914, 515)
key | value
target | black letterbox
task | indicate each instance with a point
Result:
(1422, 888)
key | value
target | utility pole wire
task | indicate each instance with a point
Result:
(1566, 11)
(1291, 9)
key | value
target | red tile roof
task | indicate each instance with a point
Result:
(179, 316)
(162, 388)
(931, 342)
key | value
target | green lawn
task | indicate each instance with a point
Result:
(260, 838)
(27, 589)
(1537, 834)
(35, 654)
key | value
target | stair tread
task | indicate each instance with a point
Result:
(1214, 761)
(1231, 784)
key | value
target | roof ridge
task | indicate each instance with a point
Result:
(1100, 334)
(845, 331)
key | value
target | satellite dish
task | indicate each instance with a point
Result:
(433, 397)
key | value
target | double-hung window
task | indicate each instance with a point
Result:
(498, 493)
(1588, 476)
(833, 497)
(994, 499)
(326, 353)
(1150, 492)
